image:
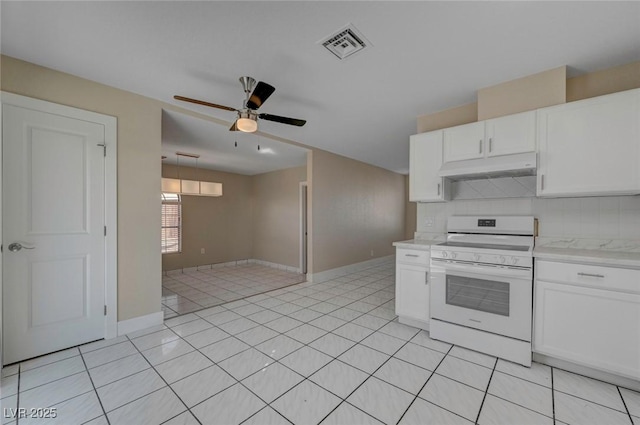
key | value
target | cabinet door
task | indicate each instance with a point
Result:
(412, 292)
(590, 147)
(464, 142)
(425, 159)
(511, 134)
(592, 327)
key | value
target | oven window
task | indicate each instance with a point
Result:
(478, 294)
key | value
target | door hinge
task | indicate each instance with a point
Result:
(105, 230)
(104, 148)
(105, 310)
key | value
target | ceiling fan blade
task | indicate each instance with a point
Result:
(260, 95)
(202, 102)
(234, 127)
(283, 120)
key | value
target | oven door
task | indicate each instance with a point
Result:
(485, 297)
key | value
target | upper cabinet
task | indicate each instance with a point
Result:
(425, 159)
(511, 134)
(464, 142)
(585, 148)
(507, 135)
(590, 147)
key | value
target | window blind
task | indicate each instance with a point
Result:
(171, 223)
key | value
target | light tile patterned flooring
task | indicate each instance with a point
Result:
(327, 353)
(207, 287)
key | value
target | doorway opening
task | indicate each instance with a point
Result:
(246, 241)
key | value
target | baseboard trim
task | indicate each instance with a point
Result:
(139, 323)
(175, 272)
(275, 265)
(351, 268)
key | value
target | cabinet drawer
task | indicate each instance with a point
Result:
(411, 256)
(609, 278)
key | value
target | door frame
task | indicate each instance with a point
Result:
(110, 193)
(304, 240)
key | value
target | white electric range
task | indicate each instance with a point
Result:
(482, 285)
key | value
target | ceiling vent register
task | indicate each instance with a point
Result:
(346, 42)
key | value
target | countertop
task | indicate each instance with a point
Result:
(419, 244)
(606, 252)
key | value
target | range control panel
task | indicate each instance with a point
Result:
(486, 222)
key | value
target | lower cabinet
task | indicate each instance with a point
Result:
(589, 315)
(412, 291)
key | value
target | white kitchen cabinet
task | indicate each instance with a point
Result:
(425, 159)
(511, 134)
(464, 142)
(590, 147)
(412, 287)
(588, 315)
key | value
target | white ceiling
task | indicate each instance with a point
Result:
(217, 148)
(426, 56)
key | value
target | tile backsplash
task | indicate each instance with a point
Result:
(616, 217)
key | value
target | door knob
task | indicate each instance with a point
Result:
(17, 246)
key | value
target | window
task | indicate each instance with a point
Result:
(171, 223)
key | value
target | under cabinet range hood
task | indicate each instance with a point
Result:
(522, 164)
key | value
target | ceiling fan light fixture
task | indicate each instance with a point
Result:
(247, 125)
(247, 122)
(256, 94)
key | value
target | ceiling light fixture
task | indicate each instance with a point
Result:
(247, 122)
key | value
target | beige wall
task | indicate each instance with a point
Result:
(356, 208)
(535, 91)
(612, 80)
(256, 217)
(276, 215)
(449, 118)
(139, 126)
(221, 225)
(410, 216)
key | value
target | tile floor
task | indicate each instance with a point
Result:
(207, 287)
(327, 353)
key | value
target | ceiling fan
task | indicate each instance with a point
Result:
(247, 120)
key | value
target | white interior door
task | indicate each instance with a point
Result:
(53, 207)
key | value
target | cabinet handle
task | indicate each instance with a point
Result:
(411, 255)
(591, 275)
(438, 189)
(490, 143)
(480, 146)
(426, 278)
(542, 182)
